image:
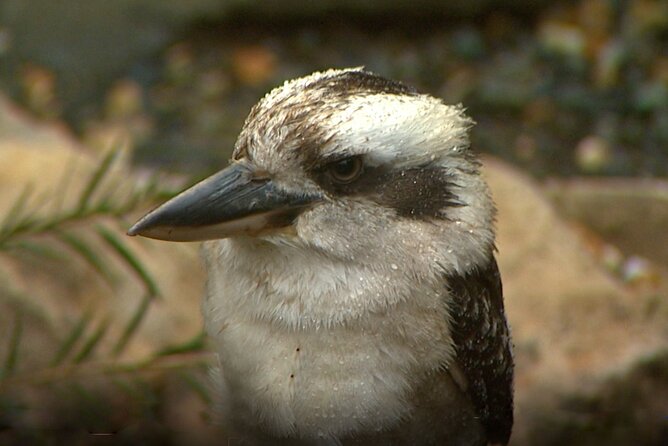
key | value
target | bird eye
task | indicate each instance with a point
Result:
(346, 170)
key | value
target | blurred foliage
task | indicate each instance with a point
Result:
(83, 387)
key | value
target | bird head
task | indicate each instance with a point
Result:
(348, 164)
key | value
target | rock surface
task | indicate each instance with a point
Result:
(574, 325)
(631, 214)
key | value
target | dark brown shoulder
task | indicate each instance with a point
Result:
(483, 347)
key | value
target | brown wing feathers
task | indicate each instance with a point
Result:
(483, 347)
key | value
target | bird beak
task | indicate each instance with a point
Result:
(229, 203)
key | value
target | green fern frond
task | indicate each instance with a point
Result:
(38, 249)
(132, 325)
(89, 254)
(92, 342)
(16, 211)
(128, 256)
(72, 338)
(200, 389)
(98, 175)
(22, 220)
(13, 348)
(192, 345)
(107, 368)
(91, 228)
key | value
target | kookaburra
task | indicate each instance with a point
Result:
(353, 297)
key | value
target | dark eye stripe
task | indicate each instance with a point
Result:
(421, 192)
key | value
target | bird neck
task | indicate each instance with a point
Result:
(298, 288)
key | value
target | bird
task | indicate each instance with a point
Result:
(353, 296)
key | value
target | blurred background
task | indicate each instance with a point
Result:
(577, 87)
(106, 108)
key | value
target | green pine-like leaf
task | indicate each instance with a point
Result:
(92, 342)
(202, 390)
(132, 325)
(93, 258)
(15, 337)
(101, 171)
(72, 338)
(192, 345)
(126, 254)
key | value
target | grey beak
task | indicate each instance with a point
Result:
(228, 203)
